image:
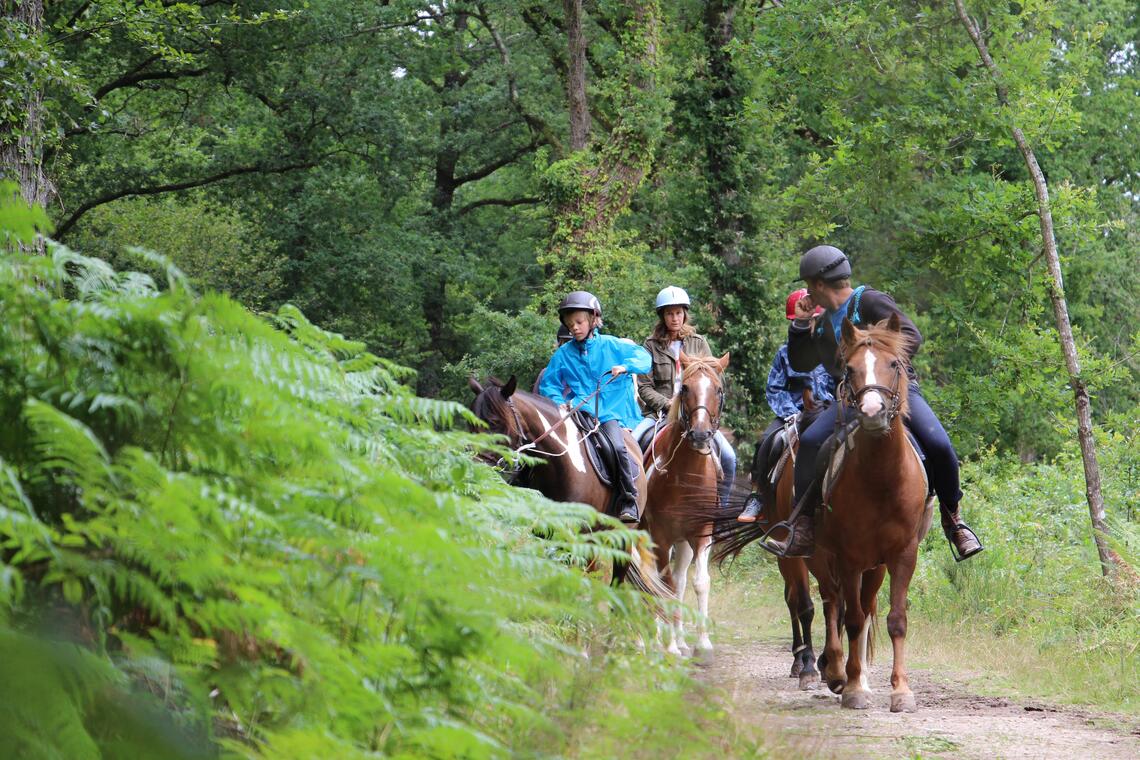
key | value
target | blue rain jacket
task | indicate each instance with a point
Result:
(786, 386)
(579, 366)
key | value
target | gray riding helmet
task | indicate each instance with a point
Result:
(824, 262)
(580, 300)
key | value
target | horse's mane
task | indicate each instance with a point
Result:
(881, 336)
(696, 364)
(490, 403)
(894, 342)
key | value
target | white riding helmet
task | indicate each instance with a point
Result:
(671, 296)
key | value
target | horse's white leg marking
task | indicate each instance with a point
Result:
(864, 641)
(682, 558)
(571, 431)
(702, 582)
(872, 401)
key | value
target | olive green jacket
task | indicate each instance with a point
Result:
(656, 388)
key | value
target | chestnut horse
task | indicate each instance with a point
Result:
(876, 515)
(533, 425)
(879, 513)
(682, 477)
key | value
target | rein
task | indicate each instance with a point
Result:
(532, 446)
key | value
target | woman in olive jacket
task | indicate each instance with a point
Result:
(672, 336)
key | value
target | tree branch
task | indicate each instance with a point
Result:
(498, 202)
(63, 227)
(495, 165)
(137, 76)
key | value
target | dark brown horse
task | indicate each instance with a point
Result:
(533, 425)
(683, 475)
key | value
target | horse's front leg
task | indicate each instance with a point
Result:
(702, 584)
(902, 569)
(833, 647)
(682, 558)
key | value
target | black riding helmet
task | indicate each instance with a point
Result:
(563, 334)
(580, 300)
(824, 262)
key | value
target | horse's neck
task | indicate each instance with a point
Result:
(539, 414)
(880, 450)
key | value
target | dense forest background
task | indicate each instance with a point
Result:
(240, 516)
(404, 173)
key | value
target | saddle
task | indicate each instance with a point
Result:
(833, 455)
(601, 454)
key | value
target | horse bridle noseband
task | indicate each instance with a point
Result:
(684, 414)
(852, 398)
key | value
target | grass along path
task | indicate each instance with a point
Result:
(963, 711)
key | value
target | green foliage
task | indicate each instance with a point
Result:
(247, 536)
(1038, 582)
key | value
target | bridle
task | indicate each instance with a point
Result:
(685, 413)
(892, 394)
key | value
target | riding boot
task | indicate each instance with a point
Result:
(627, 502)
(964, 542)
(800, 541)
(753, 506)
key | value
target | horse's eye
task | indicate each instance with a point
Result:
(894, 364)
(684, 389)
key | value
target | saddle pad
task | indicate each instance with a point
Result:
(600, 460)
(838, 455)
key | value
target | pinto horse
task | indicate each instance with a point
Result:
(533, 425)
(683, 474)
(879, 513)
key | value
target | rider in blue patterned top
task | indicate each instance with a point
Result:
(582, 366)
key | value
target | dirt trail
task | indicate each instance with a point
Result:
(950, 721)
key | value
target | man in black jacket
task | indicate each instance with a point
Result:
(827, 273)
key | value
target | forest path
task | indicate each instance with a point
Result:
(952, 721)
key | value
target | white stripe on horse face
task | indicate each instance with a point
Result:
(703, 386)
(872, 402)
(571, 431)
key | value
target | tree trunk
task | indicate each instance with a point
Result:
(576, 76)
(21, 145)
(1110, 561)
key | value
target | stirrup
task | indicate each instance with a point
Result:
(954, 546)
(771, 545)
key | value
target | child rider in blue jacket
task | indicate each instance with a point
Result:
(581, 366)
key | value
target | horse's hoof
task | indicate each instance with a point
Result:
(808, 682)
(685, 650)
(903, 702)
(797, 668)
(703, 656)
(856, 700)
(836, 685)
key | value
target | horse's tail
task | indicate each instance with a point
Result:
(641, 572)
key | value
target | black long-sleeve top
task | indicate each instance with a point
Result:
(808, 347)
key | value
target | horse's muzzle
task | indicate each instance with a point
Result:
(701, 439)
(876, 424)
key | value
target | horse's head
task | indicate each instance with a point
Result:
(875, 381)
(698, 405)
(493, 404)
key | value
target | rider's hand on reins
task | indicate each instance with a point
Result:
(617, 370)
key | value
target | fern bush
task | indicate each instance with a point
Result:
(225, 534)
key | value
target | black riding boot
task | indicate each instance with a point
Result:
(625, 479)
(964, 542)
(800, 541)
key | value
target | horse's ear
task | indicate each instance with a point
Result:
(684, 358)
(809, 400)
(893, 323)
(508, 390)
(474, 385)
(722, 362)
(848, 331)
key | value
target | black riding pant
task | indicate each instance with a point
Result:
(761, 465)
(941, 460)
(626, 476)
